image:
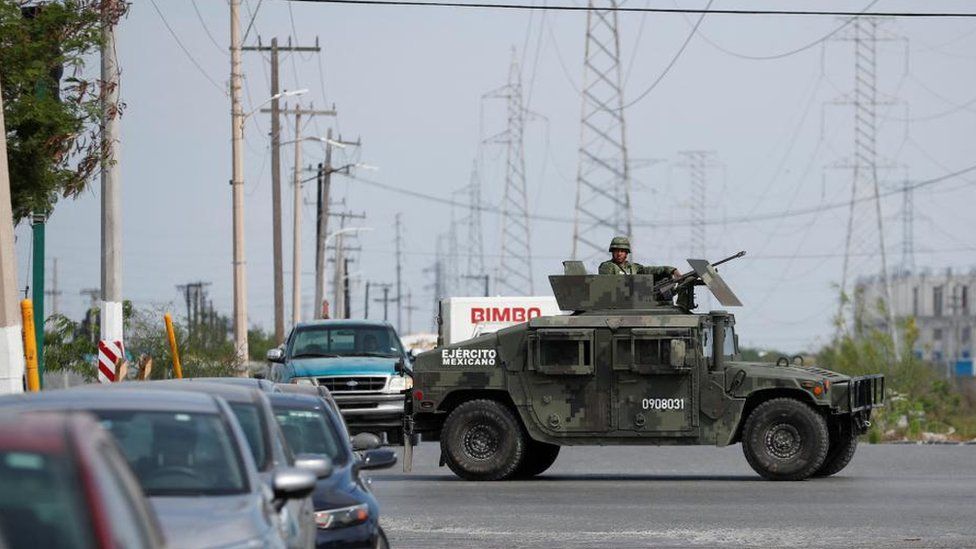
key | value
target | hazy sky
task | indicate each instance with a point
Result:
(409, 82)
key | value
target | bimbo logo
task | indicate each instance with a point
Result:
(503, 314)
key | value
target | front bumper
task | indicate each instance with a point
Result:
(370, 404)
(362, 536)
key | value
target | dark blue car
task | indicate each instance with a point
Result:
(346, 512)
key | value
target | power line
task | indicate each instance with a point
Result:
(186, 51)
(206, 29)
(624, 9)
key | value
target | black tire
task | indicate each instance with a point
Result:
(482, 440)
(539, 456)
(785, 439)
(843, 444)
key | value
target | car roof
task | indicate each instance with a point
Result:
(345, 323)
(118, 397)
(296, 400)
(34, 432)
(229, 392)
(262, 384)
(296, 389)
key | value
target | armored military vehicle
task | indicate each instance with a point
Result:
(628, 366)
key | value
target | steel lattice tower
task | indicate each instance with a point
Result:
(698, 163)
(865, 192)
(515, 266)
(603, 178)
(475, 244)
(907, 228)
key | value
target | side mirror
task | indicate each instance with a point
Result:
(678, 351)
(365, 441)
(400, 366)
(412, 353)
(291, 483)
(382, 458)
(276, 355)
(317, 464)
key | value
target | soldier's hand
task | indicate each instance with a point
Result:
(676, 274)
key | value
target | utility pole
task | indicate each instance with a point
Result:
(296, 265)
(603, 178)
(366, 301)
(237, 190)
(38, 225)
(325, 172)
(385, 300)
(399, 270)
(54, 292)
(907, 228)
(11, 343)
(410, 308)
(279, 290)
(346, 305)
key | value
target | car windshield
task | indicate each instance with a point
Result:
(309, 431)
(178, 453)
(312, 341)
(41, 502)
(250, 420)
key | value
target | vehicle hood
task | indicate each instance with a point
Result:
(212, 521)
(771, 370)
(343, 366)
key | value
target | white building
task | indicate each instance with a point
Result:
(943, 309)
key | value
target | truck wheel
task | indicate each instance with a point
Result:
(784, 439)
(482, 440)
(843, 444)
(539, 456)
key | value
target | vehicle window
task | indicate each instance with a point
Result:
(250, 420)
(728, 347)
(622, 353)
(564, 352)
(128, 528)
(652, 351)
(310, 432)
(345, 341)
(41, 502)
(177, 453)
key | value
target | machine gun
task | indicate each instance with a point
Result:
(706, 273)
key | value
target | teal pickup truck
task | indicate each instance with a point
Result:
(361, 362)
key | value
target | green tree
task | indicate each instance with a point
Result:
(51, 108)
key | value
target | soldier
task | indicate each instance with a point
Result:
(618, 264)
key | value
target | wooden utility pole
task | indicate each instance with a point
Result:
(279, 283)
(237, 190)
(322, 221)
(11, 344)
(296, 265)
(385, 300)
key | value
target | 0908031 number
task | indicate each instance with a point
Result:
(663, 403)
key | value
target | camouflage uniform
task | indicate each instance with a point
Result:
(608, 267)
(686, 297)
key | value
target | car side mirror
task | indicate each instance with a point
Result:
(412, 353)
(400, 367)
(291, 483)
(365, 441)
(276, 355)
(678, 351)
(381, 458)
(317, 464)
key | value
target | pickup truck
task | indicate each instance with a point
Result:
(361, 362)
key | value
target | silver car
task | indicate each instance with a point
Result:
(192, 458)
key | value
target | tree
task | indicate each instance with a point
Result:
(52, 109)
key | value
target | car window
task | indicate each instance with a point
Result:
(127, 526)
(310, 432)
(345, 341)
(41, 502)
(177, 453)
(250, 419)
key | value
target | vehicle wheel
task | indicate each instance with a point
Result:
(785, 439)
(381, 541)
(843, 444)
(482, 440)
(539, 456)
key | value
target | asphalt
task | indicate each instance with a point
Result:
(889, 496)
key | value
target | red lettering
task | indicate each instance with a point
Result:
(501, 315)
(534, 312)
(477, 315)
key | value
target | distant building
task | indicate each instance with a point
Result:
(942, 305)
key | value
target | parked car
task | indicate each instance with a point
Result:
(267, 443)
(346, 512)
(65, 484)
(361, 362)
(313, 390)
(191, 457)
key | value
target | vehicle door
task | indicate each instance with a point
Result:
(654, 382)
(567, 379)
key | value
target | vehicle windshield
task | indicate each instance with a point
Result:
(250, 420)
(310, 432)
(728, 347)
(41, 502)
(326, 341)
(178, 453)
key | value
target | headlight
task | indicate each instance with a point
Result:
(340, 518)
(304, 381)
(400, 383)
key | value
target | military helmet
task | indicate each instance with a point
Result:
(620, 243)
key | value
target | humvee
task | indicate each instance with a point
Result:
(628, 366)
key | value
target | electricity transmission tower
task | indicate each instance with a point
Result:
(698, 163)
(515, 266)
(603, 176)
(864, 165)
(907, 228)
(475, 244)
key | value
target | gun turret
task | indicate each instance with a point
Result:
(702, 273)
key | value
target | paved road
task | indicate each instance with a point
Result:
(890, 496)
